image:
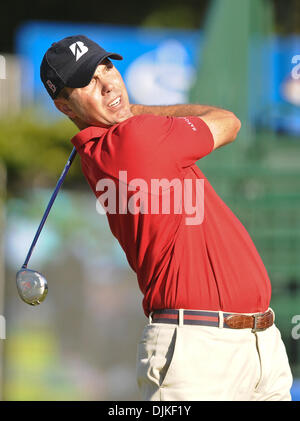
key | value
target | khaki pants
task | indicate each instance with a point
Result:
(178, 363)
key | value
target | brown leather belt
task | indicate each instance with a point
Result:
(256, 322)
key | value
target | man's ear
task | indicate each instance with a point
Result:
(63, 107)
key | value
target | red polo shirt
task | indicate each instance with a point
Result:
(195, 254)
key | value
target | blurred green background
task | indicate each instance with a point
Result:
(80, 343)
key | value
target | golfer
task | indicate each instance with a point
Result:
(210, 333)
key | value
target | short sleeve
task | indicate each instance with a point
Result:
(154, 146)
(189, 140)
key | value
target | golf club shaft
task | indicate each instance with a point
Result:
(57, 187)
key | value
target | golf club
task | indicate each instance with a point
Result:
(32, 286)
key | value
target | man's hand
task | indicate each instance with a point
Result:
(223, 124)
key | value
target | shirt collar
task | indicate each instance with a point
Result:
(87, 134)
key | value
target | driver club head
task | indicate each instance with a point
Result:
(32, 286)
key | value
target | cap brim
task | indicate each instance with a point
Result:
(84, 73)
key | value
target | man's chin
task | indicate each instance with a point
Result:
(118, 118)
(125, 117)
(123, 114)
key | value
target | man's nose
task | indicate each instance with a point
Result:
(107, 87)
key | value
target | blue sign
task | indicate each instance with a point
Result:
(286, 93)
(159, 67)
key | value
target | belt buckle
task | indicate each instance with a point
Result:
(255, 328)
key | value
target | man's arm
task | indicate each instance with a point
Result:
(223, 124)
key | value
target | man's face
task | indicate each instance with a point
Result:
(104, 101)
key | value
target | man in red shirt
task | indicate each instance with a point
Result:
(211, 334)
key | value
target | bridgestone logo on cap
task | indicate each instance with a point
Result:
(51, 86)
(78, 49)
